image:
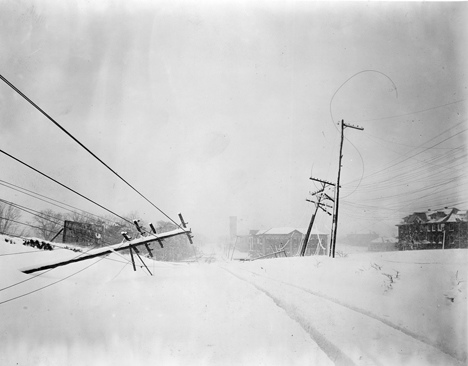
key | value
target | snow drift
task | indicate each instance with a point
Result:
(405, 308)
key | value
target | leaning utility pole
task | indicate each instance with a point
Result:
(320, 195)
(337, 190)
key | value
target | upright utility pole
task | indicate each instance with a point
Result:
(337, 189)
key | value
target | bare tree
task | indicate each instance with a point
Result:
(48, 223)
(175, 249)
(8, 217)
(83, 217)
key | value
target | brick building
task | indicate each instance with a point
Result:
(434, 229)
(262, 242)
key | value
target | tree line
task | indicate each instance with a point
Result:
(47, 224)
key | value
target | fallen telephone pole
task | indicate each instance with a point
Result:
(130, 245)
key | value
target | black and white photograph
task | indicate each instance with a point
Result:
(223, 183)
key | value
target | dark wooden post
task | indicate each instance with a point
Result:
(131, 255)
(337, 190)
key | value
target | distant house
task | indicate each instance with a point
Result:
(437, 229)
(262, 242)
(383, 244)
(361, 239)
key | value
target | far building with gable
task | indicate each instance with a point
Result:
(434, 229)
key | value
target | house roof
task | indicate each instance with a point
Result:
(436, 216)
(384, 239)
(288, 231)
(457, 217)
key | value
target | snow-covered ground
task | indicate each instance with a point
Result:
(394, 308)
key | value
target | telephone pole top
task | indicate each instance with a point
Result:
(337, 190)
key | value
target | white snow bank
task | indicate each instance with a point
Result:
(107, 314)
(420, 293)
(406, 308)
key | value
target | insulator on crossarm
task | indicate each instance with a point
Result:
(184, 224)
(138, 227)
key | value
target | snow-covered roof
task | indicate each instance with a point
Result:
(435, 216)
(288, 231)
(457, 217)
(384, 239)
(281, 231)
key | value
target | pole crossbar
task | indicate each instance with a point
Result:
(109, 249)
(352, 126)
(322, 181)
(316, 192)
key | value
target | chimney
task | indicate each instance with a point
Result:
(232, 227)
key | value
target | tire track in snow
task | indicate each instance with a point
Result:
(408, 332)
(334, 352)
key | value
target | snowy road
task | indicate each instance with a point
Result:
(348, 336)
(219, 320)
(183, 315)
(273, 312)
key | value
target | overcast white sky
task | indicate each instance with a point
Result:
(220, 109)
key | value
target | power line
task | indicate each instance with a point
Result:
(19, 253)
(33, 212)
(123, 267)
(57, 223)
(351, 77)
(61, 222)
(104, 242)
(11, 203)
(24, 223)
(43, 287)
(435, 180)
(34, 276)
(426, 192)
(433, 146)
(374, 214)
(2, 182)
(83, 146)
(410, 113)
(50, 284)
(375, 137)
(363, 169)
(333, 120)
(63, 185)
(419, 173)
(420, 152)
(39, 214)
(51, 269)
